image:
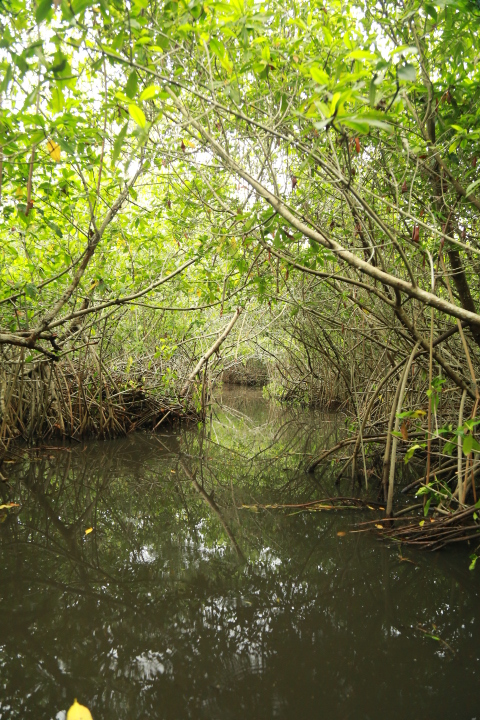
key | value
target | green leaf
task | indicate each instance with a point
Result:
(410, 452)
(149, 92)
(57, 99)
(217, 48)
(433, 637)
(347, 40)
(360, 55)
(470, 444)
(31, 290)
(53, 226)
(424, 490)
(372, 92)
(138, 115)
(356, 124)
(449, 448)
(79, 6)
(472, 187)
(407, 71)
(467, 444)
(319, 75)
(42, 10)
(66, 147)
(322, 124)
(6, 80)
(117, 146)
(131, 87)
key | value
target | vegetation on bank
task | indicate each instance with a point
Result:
(186, 186)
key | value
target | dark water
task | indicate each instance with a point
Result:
(180, 604)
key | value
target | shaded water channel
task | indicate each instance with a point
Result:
(179, 603)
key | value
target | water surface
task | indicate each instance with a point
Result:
(179, 603)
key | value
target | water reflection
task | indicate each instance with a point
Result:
(180, 604)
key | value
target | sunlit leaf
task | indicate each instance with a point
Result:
(409, 455)
(149, 92)
(319, 75)
(54, 150)
(138, 115)
(360, 55)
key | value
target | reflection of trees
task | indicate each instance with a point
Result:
(152, 615)
(261, 441)
(213, 506)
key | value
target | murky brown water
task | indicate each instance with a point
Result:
(180, 604)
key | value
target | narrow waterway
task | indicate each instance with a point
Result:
(132, 578)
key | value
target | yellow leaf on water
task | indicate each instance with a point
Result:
(79, 712)
(370, 507)
(342, 533)
(88, 531)
(54, 150)
(380, 527)
(9, 505)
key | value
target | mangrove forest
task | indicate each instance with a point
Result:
(239, 359)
